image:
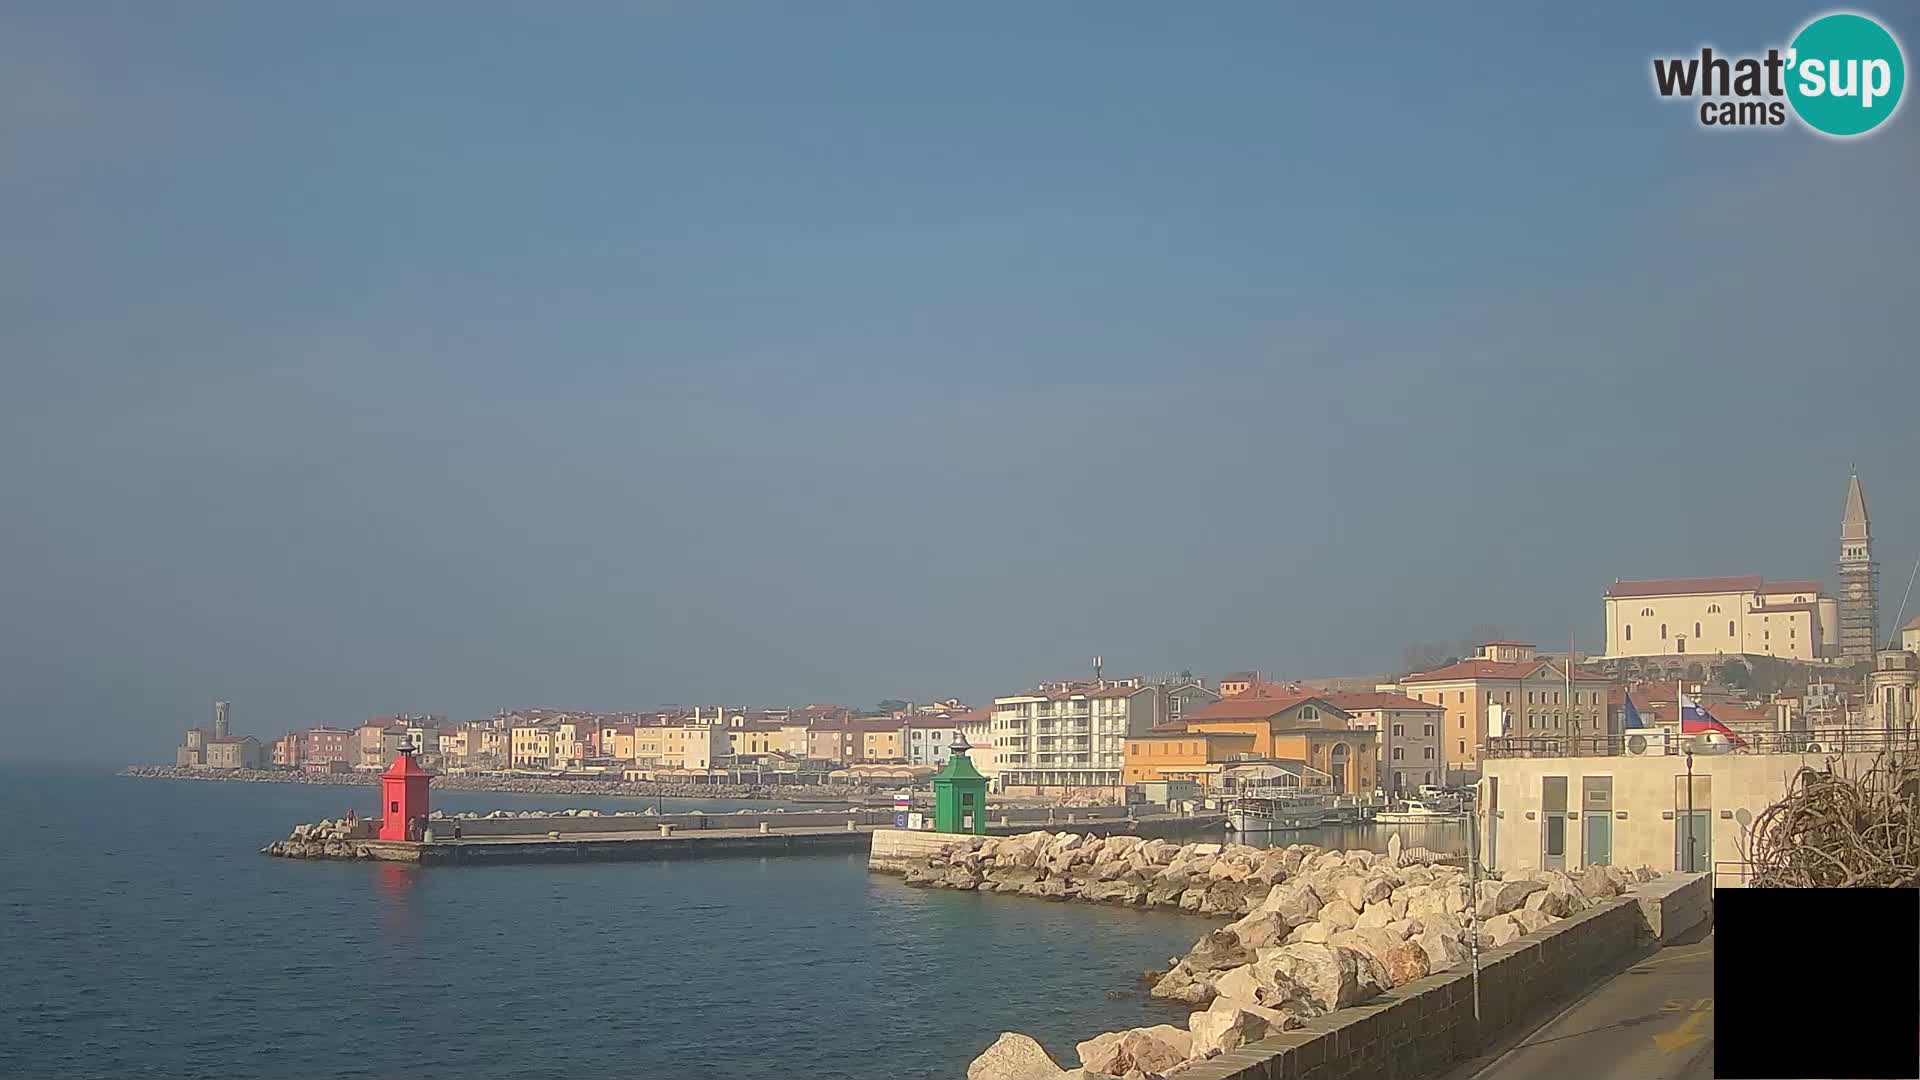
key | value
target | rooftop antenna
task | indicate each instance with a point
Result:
(1096, 667)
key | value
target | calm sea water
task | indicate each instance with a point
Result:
(144, 936)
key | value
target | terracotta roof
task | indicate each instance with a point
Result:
(1496, 669)
(1794, 587)
(1258, 703)
(1379, 700)
(1912, 624)
(1170, 727)
(1683, 586)
(1241, 676)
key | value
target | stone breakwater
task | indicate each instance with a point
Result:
(1318, 931)
(513, 785)
(327, 838)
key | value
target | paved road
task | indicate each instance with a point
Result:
(1653, 1021)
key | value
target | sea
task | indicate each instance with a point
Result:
(145, 936)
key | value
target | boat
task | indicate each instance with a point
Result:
(1417, 812)
(1263, 810)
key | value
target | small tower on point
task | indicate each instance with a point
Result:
(403, 797)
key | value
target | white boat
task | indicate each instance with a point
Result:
(1264, 810)
(1417, 812)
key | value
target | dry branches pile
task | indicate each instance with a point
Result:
(1837, 831)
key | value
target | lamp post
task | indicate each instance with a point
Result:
(1688, 868)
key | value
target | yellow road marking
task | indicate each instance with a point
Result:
(1683, 1036)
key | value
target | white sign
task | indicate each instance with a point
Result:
(916, 821)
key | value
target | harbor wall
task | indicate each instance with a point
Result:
(1426, 1026)
(567, 825)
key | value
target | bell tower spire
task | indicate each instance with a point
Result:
(1859, 578)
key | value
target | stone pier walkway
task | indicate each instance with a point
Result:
(1652, 1021)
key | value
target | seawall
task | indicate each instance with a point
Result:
(1420, 1029)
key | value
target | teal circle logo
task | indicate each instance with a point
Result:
(1845, 74)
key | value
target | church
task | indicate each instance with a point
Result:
(1661, 626)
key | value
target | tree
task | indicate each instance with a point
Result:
(1736, 675)
(890, 705)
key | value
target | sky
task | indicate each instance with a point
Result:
(363, 358)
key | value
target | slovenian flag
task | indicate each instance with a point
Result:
(1696, 720)
(1630, 717)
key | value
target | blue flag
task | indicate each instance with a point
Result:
(1630, 718)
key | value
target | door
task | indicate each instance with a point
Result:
(1597, 845)
(1596, 816)
(1337, 765)
(1553, 825)
(1696, 858)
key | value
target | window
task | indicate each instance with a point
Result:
(1529, 697)
(1429, 777)
(1713, 609)
(1663, 631)
(1556, 697)
(1308, 712)
(1766, 635)
(1646, 611)
(1729, 627)
(1429, 753)
(1507, 697)
(1793, 631)
(1629, 631)
(1461, 698)
(1399, 730)
(1428, 731)
(1398, 753)
(1463, 746)
(1696, 629)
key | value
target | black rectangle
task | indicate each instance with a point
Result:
(1816, 983)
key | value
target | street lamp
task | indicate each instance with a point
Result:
(1703, 743)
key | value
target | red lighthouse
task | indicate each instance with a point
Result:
(403, 795)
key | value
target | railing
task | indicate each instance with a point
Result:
(1732, 875)
(1655, 742)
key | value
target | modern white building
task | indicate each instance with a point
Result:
(1071, 736)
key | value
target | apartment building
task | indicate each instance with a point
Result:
(1408, 734)
(1506, 687)
(1070, 737)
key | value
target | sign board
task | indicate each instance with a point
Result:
(899, 821)
(916, 821)
(902, 801)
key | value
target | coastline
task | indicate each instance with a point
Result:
(515, 785)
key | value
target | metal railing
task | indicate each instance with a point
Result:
(1654, 742)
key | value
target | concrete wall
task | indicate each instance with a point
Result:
(649, 823)
(1420, 1029)
(1734, 788)
(895, 850)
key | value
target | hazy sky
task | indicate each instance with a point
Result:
(444, 356)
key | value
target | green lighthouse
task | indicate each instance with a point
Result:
(960, 795)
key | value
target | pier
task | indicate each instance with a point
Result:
(640, 837)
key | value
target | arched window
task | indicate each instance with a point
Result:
(1308, 712)
(1663, 631)
(1696, 629)
(1729, 627)
(1629, 631)
(1713, 609)
(1646, 611)
(1799, 599)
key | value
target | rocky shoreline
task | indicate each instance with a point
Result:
(1318, 930)
(515, 785)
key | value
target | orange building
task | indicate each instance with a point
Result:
(1296, 724)
(1171, 752)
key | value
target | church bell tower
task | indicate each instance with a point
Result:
(1859, 579)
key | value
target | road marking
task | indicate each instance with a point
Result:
(1683, 1036)
(1687, 1004)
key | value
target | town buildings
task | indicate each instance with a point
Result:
(1408, 735)
(1286, 723)
(218, 748)
(1506, 689)
(1067, 738)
